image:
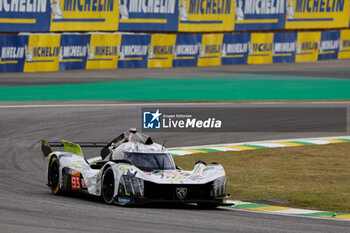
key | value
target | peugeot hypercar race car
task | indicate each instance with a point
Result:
(132, 170)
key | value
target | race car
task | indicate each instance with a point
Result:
(132, 170)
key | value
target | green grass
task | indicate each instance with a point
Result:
(314, 177)
(220, 88)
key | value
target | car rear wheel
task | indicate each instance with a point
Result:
(54, 175)
(108, 186)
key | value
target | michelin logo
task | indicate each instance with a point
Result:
(262, 7)
(29, 6)
(143, 6)
(152, 120)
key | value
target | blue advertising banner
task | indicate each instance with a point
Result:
(284, 47)
(134, 50)
(235, 48)
(148, 15)
(73, 51)
(329, 45)
(259, 14)
(25, 15)
(187, 50)
(13, 51)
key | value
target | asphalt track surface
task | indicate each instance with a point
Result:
(27, 205)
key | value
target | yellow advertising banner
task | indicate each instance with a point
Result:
(317, 14)
(42, 53)
(161, 51)
(103, 51)
(210, 51)
(260, 48)
(344, 45)
(84, 15)
(206, 15)
(307, 47)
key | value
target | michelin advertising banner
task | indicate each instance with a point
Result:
(148, 15)
(134, 51)
(24, 15)
(344, 44)
(84, 15)
(42, 53)
(103, 51)
(161, 51)
(259, 14)
(284, 47)
(186, 50)
(260, 48)
(307, 46)
(235, 48)
(73, 51)
(308, 14)
(54, 52)
(206, 15)
(13, 50)
(329, 45)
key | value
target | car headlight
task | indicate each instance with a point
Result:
(219, 186)
(132, 185)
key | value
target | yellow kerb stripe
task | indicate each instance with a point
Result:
(241, 147)
(333, 140)
(288, 143)
(347, 216)
(197, 151)
(270, 208)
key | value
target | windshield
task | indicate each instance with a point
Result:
(150, 162)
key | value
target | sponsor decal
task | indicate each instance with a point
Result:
(75, 180)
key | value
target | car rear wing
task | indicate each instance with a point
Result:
(69, 146)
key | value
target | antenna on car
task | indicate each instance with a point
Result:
(163, 143)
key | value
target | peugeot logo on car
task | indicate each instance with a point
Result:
(181, 192)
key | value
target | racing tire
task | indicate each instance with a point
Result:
(54, 176)
(107, 191)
